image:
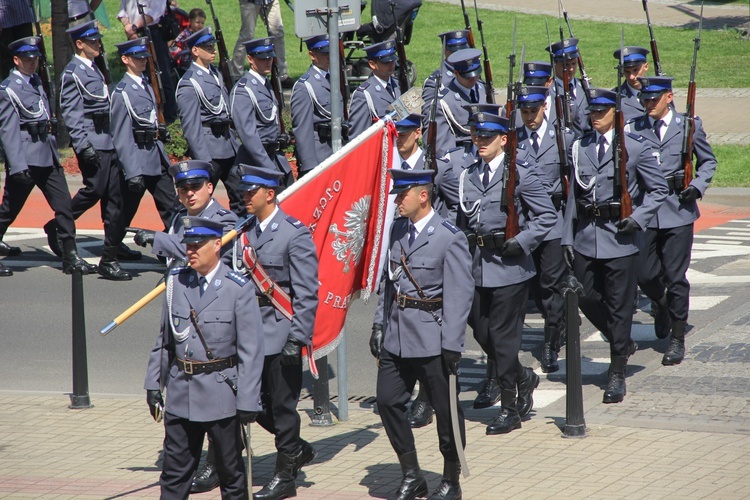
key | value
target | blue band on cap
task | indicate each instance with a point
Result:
(89, 32)
(490, 126)
(27, 48)
(254, 180)
(634, 57)
(205, 39)
(532, 97)
(135, 50)
(319, 45)
(383, 53)
(456, 41)
(566, 50)
(413, 180)
(261, 48)
(652, 89)
(203, 231)
(190, 174)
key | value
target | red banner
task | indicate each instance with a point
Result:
(342, 202)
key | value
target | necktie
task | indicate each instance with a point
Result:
(328, 77)
(412, 234)
(203, 283)
(657, 128)
(144, 82)
(389, 88)
(405, 166)
(572, 89)
(535, 141)
(602, 144)
(486, 175)
(473, 96)
(258, 230)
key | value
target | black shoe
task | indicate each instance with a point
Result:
(110, 269)
(616, 390)
(489, 396)
(508, 419)
(662, 321)
(71, 260)
(124, 252)
(50, 229)
(304, 456)
(8, 251)
(449, 487)
(413, 484)
(421, 414)
(206, 479)
(282, 484)
(526, 386)
(550, 350)
(5, 271)
(675, 353)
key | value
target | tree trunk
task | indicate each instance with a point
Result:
(62, 52)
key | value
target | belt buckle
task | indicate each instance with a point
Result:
(188, 367)
(480, 240)
(595, 210)
(401, 301)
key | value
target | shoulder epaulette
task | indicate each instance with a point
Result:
(4, 85)
(242, 81)
(187, 74)
(294, 222)
(70, 67)
(363, 86)
(121, 86)
(237, 278)
(304, 77)
(637, 137)
(453, 229)
(222, 211)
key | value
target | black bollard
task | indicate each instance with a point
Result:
(575, 425)
(321, 396)
(79, 399)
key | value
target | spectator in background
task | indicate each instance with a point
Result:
(133, 21)
(81, 11)
(16, 18)
(179, 51)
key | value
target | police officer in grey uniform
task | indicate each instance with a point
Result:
(137, 138)
(203, 105)
(565, 54)
(537, 138)
(285, 249)
(669, 237)
(255, 113)
(31, 153)
(208, 356)
(464, 89)
(539, 74)
(420, 327)
(85, 105)
(370, 101)
(601, 249)
(502, 267)
(192, 178)
(311, 108)
(635, 65)
(451, 41)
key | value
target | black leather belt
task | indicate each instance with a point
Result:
(610, 210)
(406, 302)
(100, 118)
(491, 241)
(37, 128)
(196, 367)
(218, 128)
(675, 183)
(79, 16)
(271, 148)
(264, 300)
(145, 136)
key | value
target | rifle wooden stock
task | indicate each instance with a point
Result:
(687, 143)
(221, 47)
(562, 150)
(403, 65)
(654, 48)
(467, 25)
(154, 72)
(510, 175)
(143, 301)
(620, 157)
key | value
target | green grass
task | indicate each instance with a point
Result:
(734, 168)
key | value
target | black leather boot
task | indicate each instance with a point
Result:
(449, 487)
(124, 252)
(282, 484)
(413, 485)
(508, 419)
(304, 456)
(675, 353)
(616, 391)
(490, 394)
(5, 271)
(421, 411)
(662, 321)
(71, 259)
(207, 477)
(50, 229)
(526, 385)
(109, 268)
(550, 350)
(8, 251)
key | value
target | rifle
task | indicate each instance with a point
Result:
(562, 147)
(687, 140)
(467, 25)
(512, 66)
(284, 138)
(154, 72)
(489, 88)
(403, 77)
(585, 80)
(563, 105)
(508, 196)
(103, 64)
(619, 153)
(221, 45)
(344, 81)
(654, 49)
(431, 154)
(48, 84)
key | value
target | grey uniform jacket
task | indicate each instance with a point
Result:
(311, 109)
(255, 112)
(480, 211)
(452, 117)
(229, 319)
(631, 104)
(134, 108)
(598, 238)
(369, 103)
(202, 100)
(83, 93)
(579, 114)
(673, 213)
(449, 171)
(286, 251)
(22, 103)
(546, 163)
(440, 262)
(428, 88)
(170, 244)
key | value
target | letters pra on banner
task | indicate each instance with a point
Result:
(343, 202)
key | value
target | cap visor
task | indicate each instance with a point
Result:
(454, 48)
(196, 238)
(599, 107)
(530, 104)
(536, 80)
(265, 55)
(97, 36)
(388, 58)
(487, 133)
(472, 73)
(31, 53)
(645, 96)
(140, 55)
(401, 189)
